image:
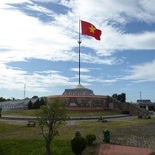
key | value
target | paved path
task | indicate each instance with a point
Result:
(136, 140)
(108, 149)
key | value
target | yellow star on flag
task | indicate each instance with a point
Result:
(92, 29)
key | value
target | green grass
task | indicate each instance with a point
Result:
(19, 113)
(16, 138)
(70, 113)
(20, 138)
(33, 147)
(92, 113)
(28, 141)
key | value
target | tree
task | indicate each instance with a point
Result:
(2, 99)
(41, 102)
(36, 104)
(30, 105)
(35, 96)
(123, 97)
(115, 96)
(50, 117)
(120, 97)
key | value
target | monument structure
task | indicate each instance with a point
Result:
(81, 97)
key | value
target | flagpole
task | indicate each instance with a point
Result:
(79, 42)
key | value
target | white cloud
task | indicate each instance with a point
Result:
(13, 78)
(81, 69)
(24, 37)
(142, 73)
(89, 79)
(27, 37)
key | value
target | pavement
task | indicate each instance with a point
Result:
(136, 140)
(108, 149)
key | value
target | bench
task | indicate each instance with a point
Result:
(102, 119)
(31, 124)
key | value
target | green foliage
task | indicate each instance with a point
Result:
(33, 147)
(35, 96)
(36, 104)
(78, 144)
(120, 97)
(2, 99)
(30, 105)
(90, 138)
(21, 147)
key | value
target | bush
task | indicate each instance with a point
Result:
(90, 138)
(78, 144)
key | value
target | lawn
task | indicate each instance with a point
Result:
(17, 138)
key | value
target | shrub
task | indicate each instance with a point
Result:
(78, 144)
(90, 138)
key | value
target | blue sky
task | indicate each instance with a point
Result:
(39, 49)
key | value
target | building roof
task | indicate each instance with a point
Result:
(144, 101)
(78, 96)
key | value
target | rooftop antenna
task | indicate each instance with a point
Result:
(140, 96)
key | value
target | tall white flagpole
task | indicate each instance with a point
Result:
(79, 41)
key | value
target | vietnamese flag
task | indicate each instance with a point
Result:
(90, 30)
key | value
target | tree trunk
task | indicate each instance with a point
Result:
(48, 148)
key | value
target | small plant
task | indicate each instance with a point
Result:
(90, 138)
(78, 144)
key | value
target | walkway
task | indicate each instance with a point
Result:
(108, 149)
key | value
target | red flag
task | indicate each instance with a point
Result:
(90, 30)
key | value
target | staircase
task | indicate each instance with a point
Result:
(133, 109)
